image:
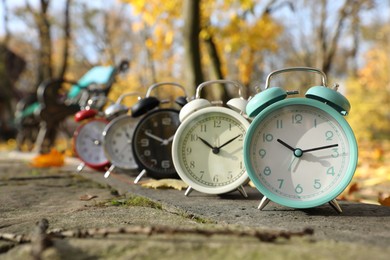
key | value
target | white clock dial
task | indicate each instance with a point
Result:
(209, 150)
(299, 153)
(117, 142)
(88, 143)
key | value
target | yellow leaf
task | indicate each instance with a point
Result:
(54, 158)
(165, 184)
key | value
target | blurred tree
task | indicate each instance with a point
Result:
(369, 92)
(43, 24)
(323, 34)
(192, 59)
(215, 36)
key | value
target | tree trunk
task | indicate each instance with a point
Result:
(218, 92)
(67, 38)
(192, 61)
(42, 21)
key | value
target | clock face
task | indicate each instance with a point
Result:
(208, 150)
(88, 143)
(117, 139)
(152, 142)
(300, 153)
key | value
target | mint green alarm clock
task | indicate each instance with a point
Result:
(300, 152)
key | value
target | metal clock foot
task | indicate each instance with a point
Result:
(242, 191)
(335, 205)
(80, 167)
(264, 201)
(108, 172)
(139, 177)
(188, 191)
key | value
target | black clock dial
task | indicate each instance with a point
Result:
(152, 142)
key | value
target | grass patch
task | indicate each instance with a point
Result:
(197, 219)
(136, 201)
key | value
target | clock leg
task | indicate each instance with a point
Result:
(242, 191)
(80, 167)
(108, 172)
(335, 205)
(139, 177)
(264, 201)
(188, 191)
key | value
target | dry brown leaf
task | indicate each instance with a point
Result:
(353, 188)
(384, 201)
(54, 158)
(165, 184)
(87, 197)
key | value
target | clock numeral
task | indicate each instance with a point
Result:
(230, 175)
(262, 153)
(281, 181)
(241, 165)
(165, 164)
(298, 189)
(188, 150)
(216, 178)
(144, 142)
(335, 153)
(201, 174)
(268, 137)
(329, 135)
(166, 121)
(194, 137)
(267, 171)
(317, 184)
(192, 164)
(154, 162)
(147, 152)
(315, 122)
(330, 171)
(297, 119)
(203, 128)
(279, 123)
(217, 123)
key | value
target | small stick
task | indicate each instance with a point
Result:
(265, 236)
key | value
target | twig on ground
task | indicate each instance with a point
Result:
(265, 236)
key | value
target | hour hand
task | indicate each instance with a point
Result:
(206, 143)
(286, 145)
(154, 137)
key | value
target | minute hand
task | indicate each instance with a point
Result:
(320, 148)
(228, 142)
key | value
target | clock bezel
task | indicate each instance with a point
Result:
(141, 166)
(176, 151)
(349, 172)
(98, 166)
(109, 128)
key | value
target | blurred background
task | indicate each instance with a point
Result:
(191, 41)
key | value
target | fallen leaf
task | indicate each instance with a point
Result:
(87, 197)
(353, 188)
(54, 158)
(384, 201)
(165, 184)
